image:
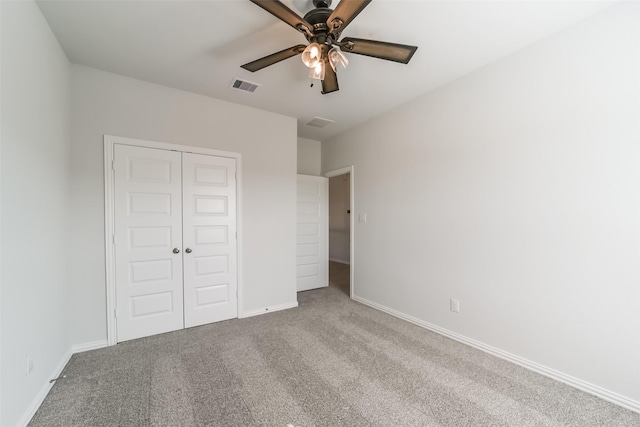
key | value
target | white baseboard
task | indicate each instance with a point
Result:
(79, 348)
(341, 261)
(593, 389)
(42, 394)
(89, 346)
(37, 401)
(269, 309)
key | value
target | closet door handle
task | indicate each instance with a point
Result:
(176, 250)
(188, 250)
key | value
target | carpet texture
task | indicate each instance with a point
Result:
(330, 362)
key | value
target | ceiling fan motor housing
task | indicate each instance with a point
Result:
(318, 19)
(321, 3)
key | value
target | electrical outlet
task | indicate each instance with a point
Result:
(29, 361)
(363, 217)
(454, 304)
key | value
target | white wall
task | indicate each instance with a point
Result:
(35, 196)
(104, 103)
(339, 227)
(309, 157)
(516, 190)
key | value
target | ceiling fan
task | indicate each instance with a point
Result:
(322, 28)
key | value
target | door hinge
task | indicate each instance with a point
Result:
(114, 239)
(113, 165)
(115, 312)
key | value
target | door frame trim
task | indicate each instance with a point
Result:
(109, 230)
(330, 174)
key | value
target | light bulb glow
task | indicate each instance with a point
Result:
(312, 55)
(317, 72)
(337, 57)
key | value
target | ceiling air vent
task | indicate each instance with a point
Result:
(319, 122)
(243, 85)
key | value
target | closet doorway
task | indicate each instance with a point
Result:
(173, 217)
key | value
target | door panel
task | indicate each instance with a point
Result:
(312, 228)
(148, 226)
(209, 221)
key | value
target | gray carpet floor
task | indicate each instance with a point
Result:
(329, 362)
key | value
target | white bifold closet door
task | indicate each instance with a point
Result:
(175, 240)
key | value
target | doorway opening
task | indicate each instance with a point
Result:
(341, 230)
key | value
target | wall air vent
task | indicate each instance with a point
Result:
(319, 122)
(244, 85)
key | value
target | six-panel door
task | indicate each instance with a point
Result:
(175, 240)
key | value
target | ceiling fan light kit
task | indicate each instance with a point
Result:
(312, 55)
(336, 57)
(318, 71)
(322, 28)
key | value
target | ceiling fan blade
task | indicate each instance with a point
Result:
(282, 12)
(330, 82)
(346, 11)
(261, 63)
(383, 50)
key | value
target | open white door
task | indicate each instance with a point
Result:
(210, 262)
(312, 237)
(148, 241)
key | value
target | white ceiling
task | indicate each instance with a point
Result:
(198, 46)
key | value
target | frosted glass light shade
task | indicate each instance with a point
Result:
(312, 55)
(337, 57)
(317, 72)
